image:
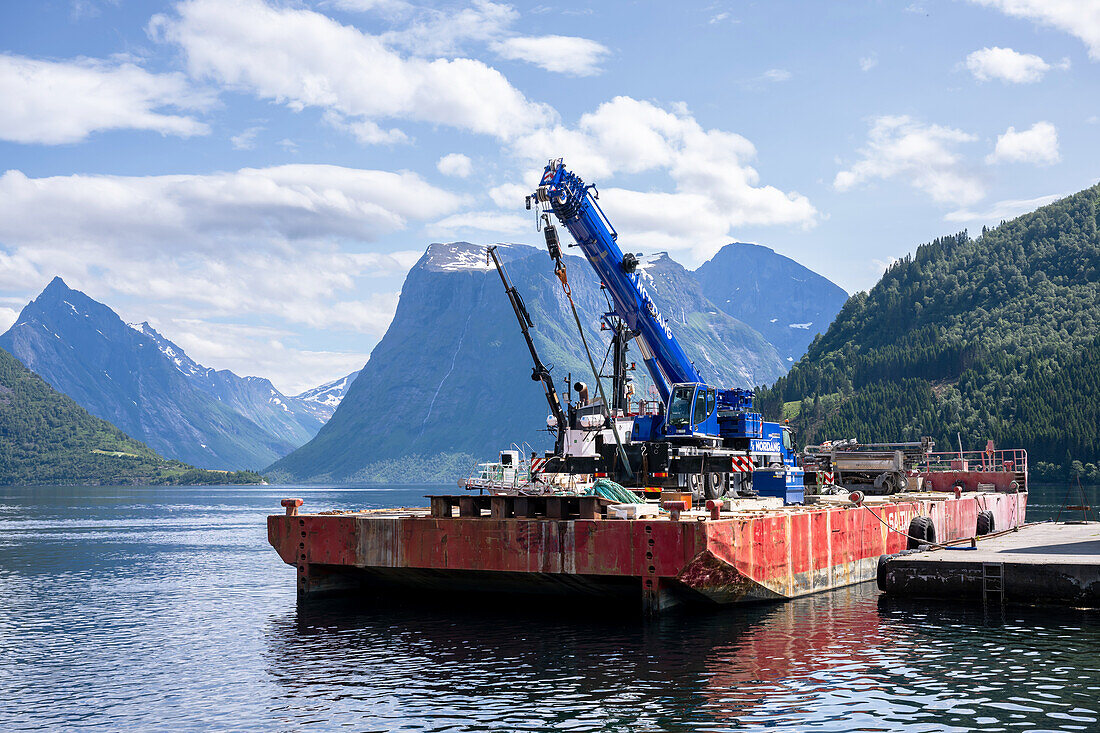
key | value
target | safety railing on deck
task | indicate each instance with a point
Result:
(1013, 460)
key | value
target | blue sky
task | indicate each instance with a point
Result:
(255, 177)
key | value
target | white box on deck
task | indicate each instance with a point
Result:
(632, 511)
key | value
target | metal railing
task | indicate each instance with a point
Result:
(1012, 460)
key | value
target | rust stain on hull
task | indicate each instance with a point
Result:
(767, 555)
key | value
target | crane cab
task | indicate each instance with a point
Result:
(692, 411)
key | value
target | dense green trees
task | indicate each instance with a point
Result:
(995, 337)
(46, 438)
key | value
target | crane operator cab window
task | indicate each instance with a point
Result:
(690, 405)
(679, 405)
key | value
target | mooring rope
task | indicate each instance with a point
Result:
(904, 534)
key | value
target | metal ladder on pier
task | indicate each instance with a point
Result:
(993, 583)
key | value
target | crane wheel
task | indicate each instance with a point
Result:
(716, 485)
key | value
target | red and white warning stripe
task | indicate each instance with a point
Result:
(537, 464)
(828, 478)
(741, 464)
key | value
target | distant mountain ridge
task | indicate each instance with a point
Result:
(789, 304)
(451, 376)
(138, 380)
(323, 400)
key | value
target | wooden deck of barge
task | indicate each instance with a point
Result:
(755, 552)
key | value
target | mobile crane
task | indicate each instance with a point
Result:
(706, 439)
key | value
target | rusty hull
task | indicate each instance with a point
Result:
(752, 556)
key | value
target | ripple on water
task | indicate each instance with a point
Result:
(156, 609)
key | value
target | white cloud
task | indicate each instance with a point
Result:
(274, 242)
(246, 140)
(560, 54)
(1002, 210)
(305, 59)
(289, 202)
(54, 102)
(777, 75)
(900, 147)
(718, 18)
(867, 63)
(481, 221)
(395, 7)
(365, 131)
(1038, 144)
(444, 33)
(251, 350)
(1080, 18)
(1006, 65)
(455, 164)
(7, 317)
(716, 190)
(509, 195)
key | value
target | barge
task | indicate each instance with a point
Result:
(733, 551)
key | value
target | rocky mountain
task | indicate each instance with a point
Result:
(143, 384)
(995, 337)
(451, 377)
(322, 401)
(46, 438)
(787, 303)
(253, 397)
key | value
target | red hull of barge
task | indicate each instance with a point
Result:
(751, 556)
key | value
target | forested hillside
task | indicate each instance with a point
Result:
(46, 438)
(995, 337)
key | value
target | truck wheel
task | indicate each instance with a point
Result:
(696, 484)
(716, 485)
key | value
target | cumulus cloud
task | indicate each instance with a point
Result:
(1080, 18)
(246, 140)
(271, 242)
(257, 350)
(923, 154)
(481, 221)
(562, 54)
(7, 317)
(445, 32)
(866, 63)
(716, 190)
(1038, 144)
(54, 102)
(305, 59)
(1007, 65)
(455, 164)
(1001, 211)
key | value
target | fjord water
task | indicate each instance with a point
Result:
(165, 609)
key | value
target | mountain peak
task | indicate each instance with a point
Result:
(466, 257)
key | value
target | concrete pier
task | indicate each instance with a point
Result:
(1038, 564)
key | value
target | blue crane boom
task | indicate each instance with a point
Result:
(566, 195)
(704, 431)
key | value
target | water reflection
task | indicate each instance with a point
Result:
(164, 609)
(837, 661)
